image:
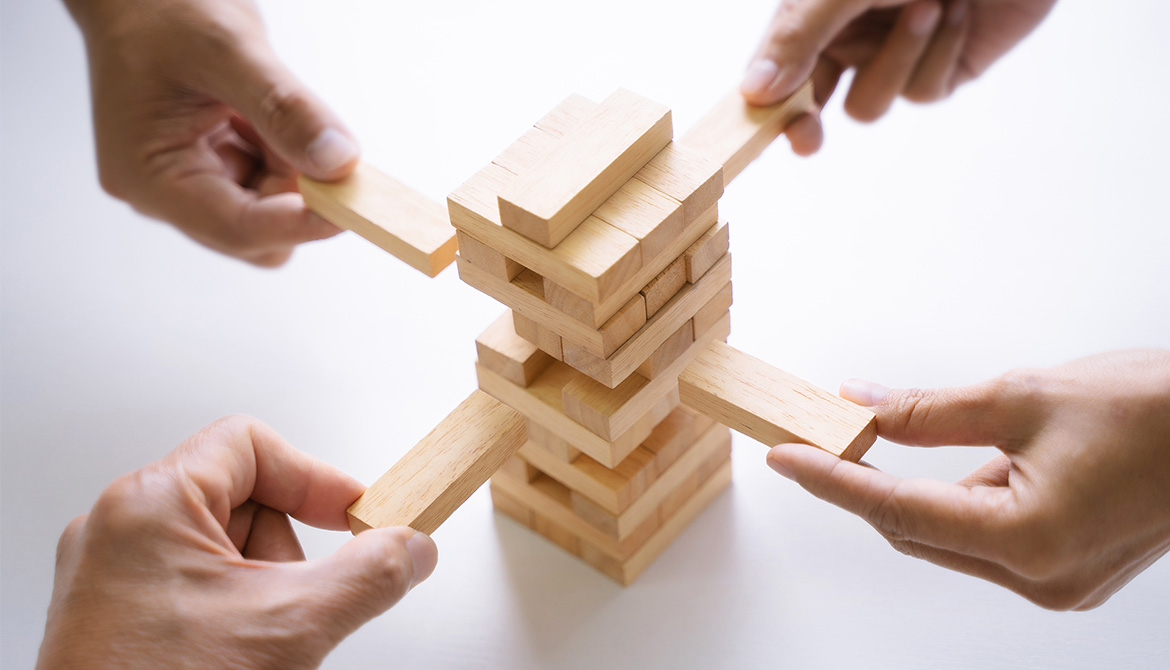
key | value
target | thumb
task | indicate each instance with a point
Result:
(290, 119)
(367, 576)
(998, 413)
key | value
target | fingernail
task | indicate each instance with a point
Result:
(424, 555)
(761, 75)
(923, 17)
(957, 12)
(863, 392)
(331, 150)
(779, 467)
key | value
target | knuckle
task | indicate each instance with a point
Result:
(912, 410)
(122, 508)
(283, 107)
(70, 537)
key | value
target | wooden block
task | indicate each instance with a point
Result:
(500, 349)
(567, 115)
(618, 367)
(520, 468)
(589, 163)
(714, 310)
(390, 214)
(687, 176)
(674, 436)
(511, 507)
(487, 259)
(594, 261)
(646, 214)
(706, 251)
(555, 534)
(668, 352)
(533, 333)
(435, 477)
(549, 444)
(663, 287)
(735, 133)
(772, 406)
(541, 402)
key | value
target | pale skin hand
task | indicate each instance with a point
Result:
(1077, 504)
(919, 49)
(191, 562)
(197, 123)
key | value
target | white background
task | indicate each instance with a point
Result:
(1023, 222)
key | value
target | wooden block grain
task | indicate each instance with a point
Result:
(442, 471)
(663, 287)
(520, 468)
(549, 445)
(646, 214)
(487, 259)
(706, 251)
(589, 163)
(390, 214)
(772, 406)
(668, 352)
(714, 310)
(501, 349)
(537, 335)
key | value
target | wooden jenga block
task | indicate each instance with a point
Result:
(646, 214)
(487, 259)
(549, 445)
(390, 214)
(735, 133)
(552, 532)
(435, 477)
(567, 115)
(672, 437)
(663, 287)
(714, 310)
(512, 507)
(668, 352)
(520, 468)
(499, 348)
(535, 334)
(772, 406)
(706, 251)
(590, 162)
(617, 368)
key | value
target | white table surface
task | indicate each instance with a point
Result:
(1023, 222)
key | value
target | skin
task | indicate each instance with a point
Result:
(191, 562)
(1076, 504)
(198, 123)
(921, 50)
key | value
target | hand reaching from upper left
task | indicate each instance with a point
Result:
(191, 562)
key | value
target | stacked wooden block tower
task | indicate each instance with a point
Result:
(602, 384)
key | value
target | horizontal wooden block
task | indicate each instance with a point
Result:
(772, 406)
(520, 468)
(715, 309)
(663, 287)
(668, 352)
(397, 218)
(618, 367)
(499, 348)
(706, 251)
(487, 259)
(590, 162)
(735, 133)
(607, 412)
(673, 436)
(511, 507)
(442, 471)
(552, 447)
(533, 333)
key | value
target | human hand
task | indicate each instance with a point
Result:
(920, 49)
(1074, 508)
(199, 124)
(191, 562)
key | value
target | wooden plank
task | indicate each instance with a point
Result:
(735, 133)
(706, 251)
(714, 310)
(499, 348)
(533, 333)
(687, 176)
(772, 406)
(442, 471)
(607, 412)
(668, 352)
(487, 259)
(618, 367)
(663, 287)
(554, 195)
(549, 444)
(390, 214)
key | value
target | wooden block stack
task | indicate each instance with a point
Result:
(601, 235)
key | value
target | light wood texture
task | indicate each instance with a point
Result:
(590, 162)
(520, 468)
(487, 259)
(549, 444)
(668, 352)
(714, 310)
(390, 214)
(499, 348)
(532, 332)
(663, 287)
(436, 476)
(706, 251)
(675, 435)
(512, 507)
(734, 133)
(615, 369)
(772, 406)
(608, 412)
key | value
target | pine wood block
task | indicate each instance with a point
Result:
(436, 476)
(511, 507)
(541, 403)
(552, 532)
(487, 259)
(500, 349)
(567, 115)
(714, 310)
(543, 445)
(535, 334)
(607, 412)
(589, 163)
(706, 251)
(668, 352)
(520, 468)
(663, 287)
(390, 214)
(594, 261)
(674, 436)
(622, 363)
(772, 406)
(735, 133)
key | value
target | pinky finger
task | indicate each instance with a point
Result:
(934, 78)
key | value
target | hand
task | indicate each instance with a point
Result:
(197, 123)
(920, 49)
(191, 562)
(1077, 504)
